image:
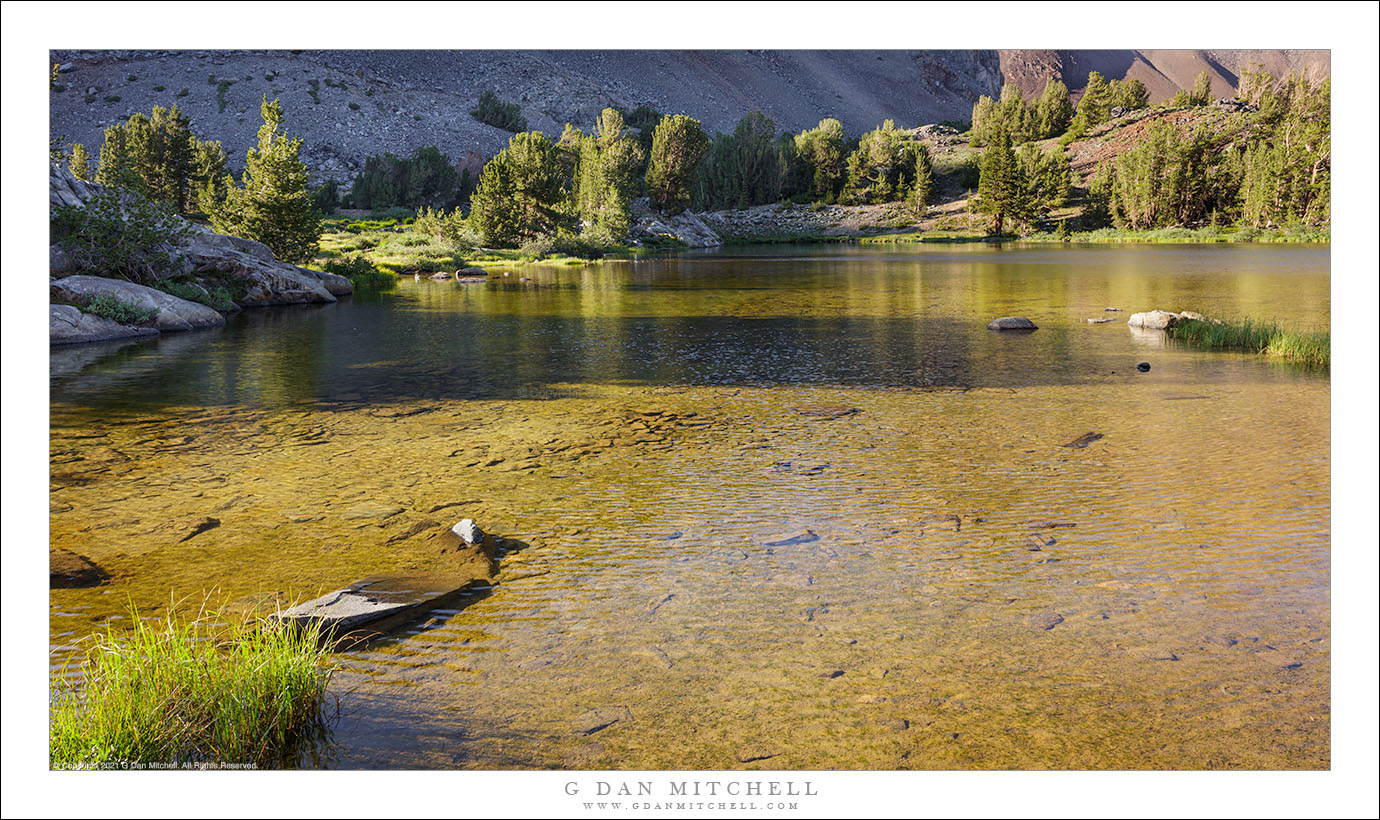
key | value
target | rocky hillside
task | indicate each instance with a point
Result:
(351, 104)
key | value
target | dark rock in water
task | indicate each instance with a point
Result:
(805, 537)
(596, 719)
(801, 467)
(672, 536)
(1084, 440)
(1039, 542)
(1011, 323)
(1049, 525)
(67, 570)
(192, 527)
(827, 411)
(1143, 367)
(830, 674)
(1045, 621)
(757, 751)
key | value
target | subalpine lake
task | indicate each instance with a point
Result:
(783, 508)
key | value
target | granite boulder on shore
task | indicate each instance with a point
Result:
(200, 258)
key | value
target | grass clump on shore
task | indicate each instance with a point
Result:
(1266, 338)
(186, 693)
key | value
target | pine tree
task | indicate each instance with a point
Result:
(678, 145)
(922, 194)
(1093, 104)
(1202, 90)
(272, 204)
(822, 152)
(1001, 187)
(522, 193)
(80, 163)
(1053, 111)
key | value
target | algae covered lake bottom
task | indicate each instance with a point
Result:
(770, 508)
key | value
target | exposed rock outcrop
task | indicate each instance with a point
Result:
(652, 228)
(68, 325)
(201, 257)
(172, 313)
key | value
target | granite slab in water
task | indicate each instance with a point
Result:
(383, 601)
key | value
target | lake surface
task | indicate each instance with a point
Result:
(708, 552)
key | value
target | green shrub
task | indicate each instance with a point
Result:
(537, 248)
(493, 111)
(184, 92)
(354, 106)
(113, 98)
(217, 298)
(118, 310)
(360, 271)
(188, 693)
(129, 238)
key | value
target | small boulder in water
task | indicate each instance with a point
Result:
(1011, 323)
(1143, 367)
(1153, 319)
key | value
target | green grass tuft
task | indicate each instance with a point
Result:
(1266, 338)
(186, 692)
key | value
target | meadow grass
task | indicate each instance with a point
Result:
(192, 692)
(1266, 338)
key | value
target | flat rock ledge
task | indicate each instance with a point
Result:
(381, 602)
(1012, 323)
(173, 313)
(68, 325)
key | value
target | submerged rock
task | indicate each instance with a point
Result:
(1084, 440)
(598, 719)
(827, 411)
(1044, 621)
(1143, 367)
(757, 751)
(1153, 320)
(802, 537)
(1011, 323)
(67, 570)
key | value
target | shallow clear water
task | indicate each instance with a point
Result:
(739, 579)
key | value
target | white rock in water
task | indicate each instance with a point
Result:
(468, 531)
(1153, 320)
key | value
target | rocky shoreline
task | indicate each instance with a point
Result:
(200, 258)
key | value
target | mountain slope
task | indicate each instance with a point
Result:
(350, 104)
